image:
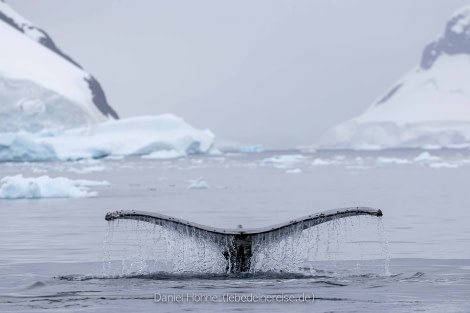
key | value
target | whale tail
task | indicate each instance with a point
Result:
(239, 242)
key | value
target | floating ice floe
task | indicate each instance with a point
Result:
(433, 161)
(284, 161)
(153, 136)
(443, 165)
(387, 161)
(197, 161)
(294, 171)
(199, 183)
(426, 157)
(19, 187)
(324, 162)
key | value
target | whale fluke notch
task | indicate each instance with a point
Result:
(240, 251)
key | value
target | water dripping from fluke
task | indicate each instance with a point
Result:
(193, 247)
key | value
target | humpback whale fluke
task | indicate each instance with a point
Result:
(240, 241)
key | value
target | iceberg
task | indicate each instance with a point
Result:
(19, 187)
(145, 135)
(22, 147)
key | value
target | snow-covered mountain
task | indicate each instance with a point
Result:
(430, 106)
(51, 109)
(40, 86)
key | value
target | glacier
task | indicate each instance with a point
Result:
(428, 107)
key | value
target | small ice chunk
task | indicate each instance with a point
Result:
(386, 161)
(294, 171)
(324, 162)
(197, 161)
(199, 183)
(19, 187)
(426, 157)
(443, 165)
(284, 161)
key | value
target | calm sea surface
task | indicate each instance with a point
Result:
(61, 255)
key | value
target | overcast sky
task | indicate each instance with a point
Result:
(277, 73)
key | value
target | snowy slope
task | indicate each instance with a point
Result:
(430, 106)
(50, 109)
(40, 86)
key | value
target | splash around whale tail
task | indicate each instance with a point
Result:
(239, 242)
